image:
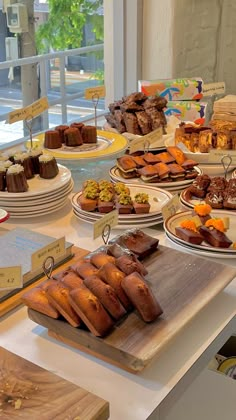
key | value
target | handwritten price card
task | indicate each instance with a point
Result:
(10, 278)
(98, 91)
(29, 112)
(216, 88)
(55, 249)
(215, 155)
(141, 142)
(110, 219)
(171, 207)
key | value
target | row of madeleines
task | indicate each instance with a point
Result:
(74, 135)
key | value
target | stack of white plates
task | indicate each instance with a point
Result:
(157, 199)
(44, 196)
(175, 186)
(204, 249)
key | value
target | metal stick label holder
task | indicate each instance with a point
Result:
(106, 233)
(48, 266)
(29, 124)
(146, 146)
(95, 100)
(226, 162)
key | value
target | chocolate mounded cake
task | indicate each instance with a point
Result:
(61, 129)
(47, 167)
(77, 125)
(215, 237)
(2, 178)
(73, 137)
(52, 139)
(24, 159)
(15, 179)
(89, 134)
(34, 155)
(215, 199)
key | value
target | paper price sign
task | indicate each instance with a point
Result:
(56, 249)
(110, 219)
(10, 278)
(97, 91)
(29, 112)
(210, 89)
(216, 155)
(171, 207)
(142, 142)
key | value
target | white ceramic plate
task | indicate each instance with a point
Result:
(193, 201)
(141, 225)
(40, 186)
(44, 213)
(157, 199)
(175, 220)
(186, 248)
(115, 175)
(215, 169)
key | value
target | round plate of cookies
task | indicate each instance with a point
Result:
(218, 192)
(136, 205)
(204, 230)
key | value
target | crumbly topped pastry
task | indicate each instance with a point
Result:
(45, 158)
(15, 169)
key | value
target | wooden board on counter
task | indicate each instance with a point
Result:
(30, 392)
(182, 283)
(15, 300)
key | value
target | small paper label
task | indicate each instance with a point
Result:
(110, 219)
(55, 249)
(171, 207)
(210, 89)
(10, 278)
(97, 91)
(215, 156)
(144, 141)
(29, 112)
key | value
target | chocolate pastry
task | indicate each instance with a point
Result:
(128, 263)
(119, 121)
(144, 122)
(113, 106)
(214, 237)
(155, 102)
(131, 123)
(138, 97)
(199, 186)
(155, 117)
(218, 183)
(230, 199)
(215, 199)
(138, 242)
(130, 107)
(188, 235)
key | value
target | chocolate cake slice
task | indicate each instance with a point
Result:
(215, 237)
(189, 235)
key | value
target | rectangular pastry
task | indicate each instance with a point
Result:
(58, 296)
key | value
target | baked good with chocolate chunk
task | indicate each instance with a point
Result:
(155, 118)
(111, 275)
(73, 137)
(128, 263)
(199, 186)
(91, 311)
(218, 183)
(141, 203)
(138, 242)
(119, 121)
(37, 299)
(106, 295)
(144, 122)
(131, 123)
(48, 167)
(89, 134)
(15, 179)
(61, 129)
(230, 199)
(215, 237)
(130, 107)
(231, 184)
(189, 235)
(52, 139)
(141, 297)
(177, 154)
(215, 199)
(58, 296)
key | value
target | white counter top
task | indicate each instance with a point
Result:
(130, 396)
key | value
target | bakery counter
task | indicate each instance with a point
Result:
(131, 396)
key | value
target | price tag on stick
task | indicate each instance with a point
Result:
(171, 207)
(110, 219)
(10, 278)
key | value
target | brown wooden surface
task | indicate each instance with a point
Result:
(15, 300)
(182, 283)
(42, 394)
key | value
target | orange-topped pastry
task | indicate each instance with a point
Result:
(188, 232)
(189, 224)
(218, 224)
(203, 211)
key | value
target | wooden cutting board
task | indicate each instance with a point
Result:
(15, 300)
(182, 283)
(32, 393)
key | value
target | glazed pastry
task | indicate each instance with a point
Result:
(111, 275)
(58, 296)
(177, 154)
(139, 160)
(37, 299)
(100, 258)
(84, 270)
(176, 171)
(149, 173)
(141, 203)
(106, 295)
(91, 311)
(141, 297)
(166, 157)
(150, 158)
(163, 170)
(71, 280)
